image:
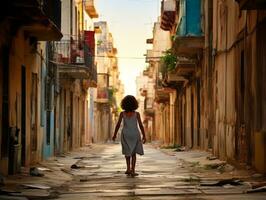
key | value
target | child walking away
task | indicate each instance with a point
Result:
(130, 136)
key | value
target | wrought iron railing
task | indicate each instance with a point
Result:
(75, 53)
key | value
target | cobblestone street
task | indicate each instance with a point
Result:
(97, 172)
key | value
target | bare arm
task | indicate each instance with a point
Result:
(117, 126)
(141, 128)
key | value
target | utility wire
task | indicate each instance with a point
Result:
(122, 57)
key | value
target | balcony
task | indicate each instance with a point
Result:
(103, 88)
(149, 112)
(90, 9)
(149, 41)
(185, 67)
(252, 4)
(143, 92)
(173, 77)
(102, 95)
(97, 29)
(93, 77)
(149, 71)
(39, 19)
(111, 51)
(168, 14)
(189, 40)
(146, 72)
(75, 58)
(148, 107)
(151, 56)
(162, 95)
(115, 64)
(188, 46)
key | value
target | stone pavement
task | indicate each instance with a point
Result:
(98, 173)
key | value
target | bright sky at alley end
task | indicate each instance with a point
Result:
(131, 23)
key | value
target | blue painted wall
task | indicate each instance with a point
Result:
(190, 18)
(47, 149)
(43, 112)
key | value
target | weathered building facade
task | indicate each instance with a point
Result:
(74, 57)
(23, 60)
(157, 109)
(238, 72)
(213, 78)
(48, 88)
(109, 85)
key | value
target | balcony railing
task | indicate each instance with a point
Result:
(189, 38)
(148, 106)
(162, 94)
(75, 56)
(76, 51)
(152, 56)
(148, 103)
(103, 88)
(168, 14)
(69, 52)
(149, 56)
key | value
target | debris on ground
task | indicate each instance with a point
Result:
(79, 157)
(35, 186)
(194, 164)
(179, 149)
(174, 146)
(192, 179)
(61, 156)
(44, 169)
(67, 171)
(259, 189)
(214, 165)
(74, 166)
(226, 168)
(257, 184)
(257, 175)
(34, 171)
(212, 158)
(233, 182)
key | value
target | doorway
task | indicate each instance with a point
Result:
(5, 104)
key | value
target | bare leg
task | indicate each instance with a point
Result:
(134, 158)
(128, 164)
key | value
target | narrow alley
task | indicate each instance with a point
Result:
(97, 172)
(185, 79)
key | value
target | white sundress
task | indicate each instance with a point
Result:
(130, 136)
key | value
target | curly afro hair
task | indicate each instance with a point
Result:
(129, 103)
